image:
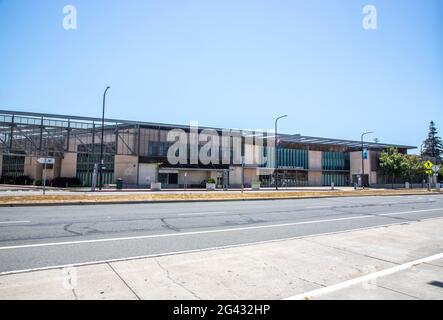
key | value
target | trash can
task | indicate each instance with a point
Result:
(119, 184)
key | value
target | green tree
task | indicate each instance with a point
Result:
(414, 167)
(433, 146)
(393, 163)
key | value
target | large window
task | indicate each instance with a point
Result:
(287, 158)
(168, 178)
(86, 162)
(286, 179)
(13, 166)
(338, 161)
(339, 179)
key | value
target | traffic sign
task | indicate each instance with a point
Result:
(428, 165)
(46, 160)
(435, 168)
(429, 172)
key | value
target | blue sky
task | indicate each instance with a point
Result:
(231, 63)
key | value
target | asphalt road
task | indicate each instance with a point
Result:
(40, 237)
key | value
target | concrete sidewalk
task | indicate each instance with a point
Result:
(423, 281)
(273, 270)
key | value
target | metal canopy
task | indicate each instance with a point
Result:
(339, 142)
(34, 133)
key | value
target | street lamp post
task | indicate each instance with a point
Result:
(362, 159)
(276, 150)
(101, 144)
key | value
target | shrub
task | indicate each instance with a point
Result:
(22, 180)
(39, 183)
(211, 180)
(66, 182)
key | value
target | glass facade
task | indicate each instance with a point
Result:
(13, 166)
(287, 158)
(293, 165)
(335, 162)
(293, 158)
(339, 161)
(339, 179)
(86, 162)
(286, 179)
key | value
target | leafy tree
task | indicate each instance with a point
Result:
(433, 145)
(393, 163)
(414, 167)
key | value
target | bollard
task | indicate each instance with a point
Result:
(332, 185)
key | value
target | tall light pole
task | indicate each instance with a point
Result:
(362, 159)
(103, 133)
(276, 150)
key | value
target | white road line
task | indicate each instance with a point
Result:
(14, 222)
(368, 277)
(209, 231)
(5, 273)
(201, 213)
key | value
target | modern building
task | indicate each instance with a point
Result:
(137, 153)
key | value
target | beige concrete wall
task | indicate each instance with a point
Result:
(315, 160)
(235, 175)
(250, 175)
(57, 168)
(193, 177)
(147, 173)
(33, 169)
(315, 178)
(69, 165)
(315, 167)
(355, 159)
(50, 174)
(373, 177)
(125, 167)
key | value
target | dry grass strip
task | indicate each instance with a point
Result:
(200, 196)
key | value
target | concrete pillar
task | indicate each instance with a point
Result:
(32, 168)
(148, 172)
(315, 168)
(69, 165)
(125, 167)
(356, 168)
(235, 176)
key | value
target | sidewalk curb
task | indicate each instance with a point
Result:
(83, 203)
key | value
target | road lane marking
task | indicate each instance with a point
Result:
(362, 279)
(154, 255)
(14, 222)
(364, 216)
